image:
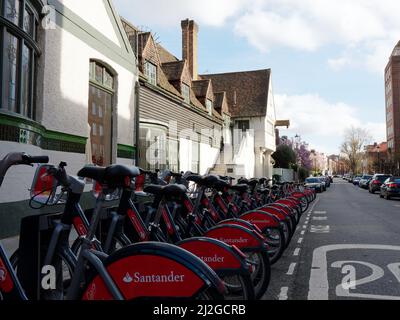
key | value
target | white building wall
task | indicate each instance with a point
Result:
(94, 13)
(66, 84)
(65, 61)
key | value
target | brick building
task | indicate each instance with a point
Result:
(392, 94)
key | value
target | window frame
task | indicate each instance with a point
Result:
(30, 41)
(209, 106)
(185, 88)
(150, 79)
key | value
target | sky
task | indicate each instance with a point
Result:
(327, 57)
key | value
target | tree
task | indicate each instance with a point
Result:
(355, 140)
(284, 157)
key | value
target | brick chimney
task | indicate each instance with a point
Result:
(189, 45)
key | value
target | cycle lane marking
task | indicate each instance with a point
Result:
(292, 268)
(319, 283)
(283, 295)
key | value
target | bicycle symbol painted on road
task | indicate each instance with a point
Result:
(347, 288)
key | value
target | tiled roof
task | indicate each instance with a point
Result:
(143, 37)
(200, 87)
(173, 70)
(247, 92)
(220, 102)
(165, 55)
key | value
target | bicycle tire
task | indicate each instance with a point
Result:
(61, 283)
(262, 275)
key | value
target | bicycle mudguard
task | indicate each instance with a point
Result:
(298, 195)
(264, 218)
(154, 270)
(238, 236)
(280, 206)
(279, 214)
(243, 223)
(216, 254)
(289, 202)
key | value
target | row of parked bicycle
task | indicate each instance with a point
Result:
(387, 185)
(199, 237)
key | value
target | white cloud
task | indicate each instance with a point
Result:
(322, 123)
(366, 29)
(170, 13)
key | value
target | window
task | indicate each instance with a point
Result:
(195, 157)
(152, 147)
(150, 70)
(243, 125)
(19, 52)
(101, 91)
(186, 92)
(209, 105)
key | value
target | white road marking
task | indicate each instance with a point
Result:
(319, 284)
(320, 229)
(320, 218)
(300, 240)
(304, 227)
(320, 212)
(284, 293)
(296, 252)
(395, 269)
(292, 267)
(303, 232)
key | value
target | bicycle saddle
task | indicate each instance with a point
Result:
(221, 185)
(114, 176)
(253, 182)
(239, 187)
(207, 181)
(172, 190)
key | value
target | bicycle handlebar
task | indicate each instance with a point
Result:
(17, 158)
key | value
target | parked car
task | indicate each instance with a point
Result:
(390, 188)
(323, 183)
(356, 180)
(364, 182)
(314, 183)
(350, 179)
(376, 182)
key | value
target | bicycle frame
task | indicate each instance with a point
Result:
(10, 287)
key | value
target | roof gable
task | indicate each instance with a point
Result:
(246, 92)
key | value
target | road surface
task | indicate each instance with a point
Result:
(347, 246)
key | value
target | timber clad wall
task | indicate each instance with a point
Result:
(156, 106)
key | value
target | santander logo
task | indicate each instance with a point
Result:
(214, 258)
(233, 241)
(154, 278)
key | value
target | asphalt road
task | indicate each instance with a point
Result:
(347, 246)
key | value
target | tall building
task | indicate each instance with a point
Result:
(392, 94)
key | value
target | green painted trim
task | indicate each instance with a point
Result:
(118, 27)
(68, 20)
(16, 120)
(54, 135)
(15, 128)
(126, 152)
(124, 147)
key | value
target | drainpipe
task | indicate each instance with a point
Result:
(137, 122)
(137, 103)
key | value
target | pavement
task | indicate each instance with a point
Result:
(347, 246)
